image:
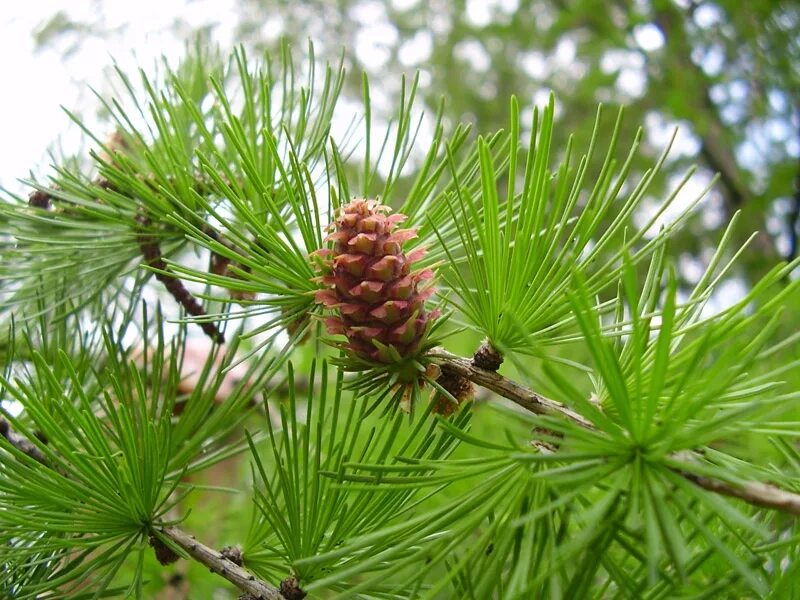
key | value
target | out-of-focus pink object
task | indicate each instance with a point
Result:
(194, 359)
(195, 356)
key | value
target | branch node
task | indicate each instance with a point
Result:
(164, 554)
(39, 199)
(459, 387)
(487, 356)
(233, 554)
(290, 589)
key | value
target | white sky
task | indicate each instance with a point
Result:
(36, 83)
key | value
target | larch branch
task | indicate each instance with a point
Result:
(753, 492)
(219, 564)
(519, 394)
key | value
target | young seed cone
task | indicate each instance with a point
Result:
(377, 300)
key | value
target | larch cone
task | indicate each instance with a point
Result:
(376, 298)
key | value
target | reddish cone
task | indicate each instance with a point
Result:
(378, 301)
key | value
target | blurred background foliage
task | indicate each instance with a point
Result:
(726, 73)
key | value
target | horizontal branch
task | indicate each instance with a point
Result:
(491, 380)
(753, 492)
(217, 563)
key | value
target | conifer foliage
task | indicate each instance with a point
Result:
(223, 284)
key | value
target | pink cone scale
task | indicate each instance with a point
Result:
(376, 298)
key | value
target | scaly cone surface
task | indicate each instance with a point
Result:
(378, 301)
